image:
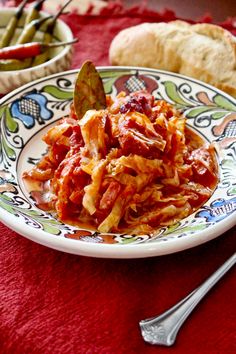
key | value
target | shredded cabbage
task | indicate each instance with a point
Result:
(132, 166)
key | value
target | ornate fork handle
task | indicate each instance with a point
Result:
(163, 329)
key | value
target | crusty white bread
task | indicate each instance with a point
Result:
(204, 51)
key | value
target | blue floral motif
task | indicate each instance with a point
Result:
(30, 108)
(218, 210)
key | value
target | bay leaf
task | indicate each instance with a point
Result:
(89, 91)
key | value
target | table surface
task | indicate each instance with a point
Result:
(218, 9)
(53, 302)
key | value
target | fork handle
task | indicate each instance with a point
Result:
(164, 328)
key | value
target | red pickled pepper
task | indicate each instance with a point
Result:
(29, 50)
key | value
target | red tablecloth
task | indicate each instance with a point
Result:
(57, 303)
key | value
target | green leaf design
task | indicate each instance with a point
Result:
(6, 206)
(172, 92)
(2, 109)
(176, 230)
(108, 85)
(232, 191)
(114, 74)
(218, 115)
(57, 92)
(48, 225)
(224, 102)
(11, 124)
(229, 164)
(51, 226)
(172, 228)
(197, 111)
(193, 113)
(126, 241)
(5, 197)
(8, 150)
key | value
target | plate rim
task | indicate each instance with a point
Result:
(107, 67)
(129, 251)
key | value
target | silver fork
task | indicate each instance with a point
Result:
(163, 329)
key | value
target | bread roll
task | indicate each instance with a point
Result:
(204, 51)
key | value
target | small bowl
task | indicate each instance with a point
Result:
(60, 58)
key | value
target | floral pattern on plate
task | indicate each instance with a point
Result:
(27, 113)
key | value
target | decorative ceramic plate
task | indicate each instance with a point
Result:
(27, 113)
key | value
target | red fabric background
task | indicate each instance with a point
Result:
(95, 33)
(53, 302)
